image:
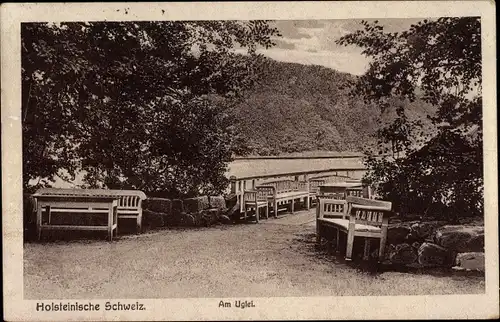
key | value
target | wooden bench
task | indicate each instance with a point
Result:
(257, 199)
(284, 192)
(314, 185)
(128, 205)
(53, 203)
(356, 217)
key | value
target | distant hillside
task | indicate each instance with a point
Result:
(298, 108)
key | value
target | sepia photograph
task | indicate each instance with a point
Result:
(240, 160)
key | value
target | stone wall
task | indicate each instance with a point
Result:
(435, 244)
(190, 212)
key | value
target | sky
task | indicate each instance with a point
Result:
(313, 42)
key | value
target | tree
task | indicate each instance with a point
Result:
(135, 104)
(436, 172)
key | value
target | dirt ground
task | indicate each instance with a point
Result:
(276, 257)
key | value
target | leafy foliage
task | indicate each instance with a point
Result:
(132, 103)
(439, 61)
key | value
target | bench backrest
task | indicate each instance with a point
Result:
(261, 193)
(315, 183)
(356, 192)
(283, 186)
(331, 195)
(368, 211)
(332, 208)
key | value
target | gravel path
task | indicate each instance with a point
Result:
(276, 257)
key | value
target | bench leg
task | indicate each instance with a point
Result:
(139, 224)
(350, 244)
(308, 203)
(381, 250)
(267, 211)
(110, 224)
(292, 205)
(49, 214)
(257, 213)
(39, 222)
(245, 215)
(366, 252)
(337, 249)
(275, 209)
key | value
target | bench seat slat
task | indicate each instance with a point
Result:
(293, 194)
(344, 225)
(72, 210)
(71, 227)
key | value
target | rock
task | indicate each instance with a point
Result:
(431, 255)
(196, 204)
(177, 207)
(472, 221)
(217, 202)
(471, 261)
(231, 200)
(153, 219)
(402, 254)
(461, 239)
(234, 212)
(225, 219)
(398, 233)
(210, 216)
(160, 205)
(189, 219)
(423, 230)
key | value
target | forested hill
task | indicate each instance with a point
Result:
(296, 108)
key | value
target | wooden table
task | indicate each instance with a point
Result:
(338, 187)
(83, 204)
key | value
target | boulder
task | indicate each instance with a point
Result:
(160, 205)
(153, 219)
(402, 254)
(177, 207)
(397, 233)
(210, 216)
(470, 261)
(426, 229)
(234, 211)
(231, 200)
(461, 239)
(217, 202)
(196, 204)
(189, 220)
(225, 219)
(432, 255)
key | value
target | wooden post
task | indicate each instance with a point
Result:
(110, 221)
(115, 218)
(232, 180)
(239, 196)
(308, 198)
(383, 238)
(350, 234)
(39, 220)
(319, 206)
(366, 252)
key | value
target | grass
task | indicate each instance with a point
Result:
(277, 257)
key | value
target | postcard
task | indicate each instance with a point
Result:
(249, 161)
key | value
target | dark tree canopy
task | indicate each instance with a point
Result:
(135, 104)
(437, 172)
